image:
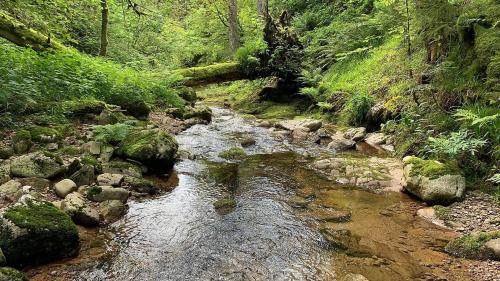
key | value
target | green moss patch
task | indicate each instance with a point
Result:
(44, 134)
(11, 274)
(235, 153)
(431, 168)
(77, 108)
(442, 213)
(225, 203)
(472, 245)
(22, 135)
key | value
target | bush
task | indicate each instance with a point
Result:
(248, 58)
(455, 145)
(356, 108)
(112, 134)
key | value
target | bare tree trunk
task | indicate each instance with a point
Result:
(234, 32)
(263, 8)
(408, 37)
(104, 28)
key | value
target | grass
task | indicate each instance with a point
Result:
(235, 153)
(471, 245)
(442, 213)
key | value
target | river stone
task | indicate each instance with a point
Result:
(300, 133)
(339, 143)
(122, 167)
(332, 215)
(140, 185)
(156, 149)
(11, 190)
(36, 232)
(104, 193)
(441, 190)
(247, 141)
(288, 125)
(80, 210)
(354, 277)
(494, 247)
(355, 134)
(112, 210)
(110, 179)
(11, 274)
(375, 139)
(36, 165)
(84, 176)
(312, 125)
(65, 187)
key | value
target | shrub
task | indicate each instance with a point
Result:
(356, 108)
(457, 144)
(471, 245)
(248, 58)
(112, 134)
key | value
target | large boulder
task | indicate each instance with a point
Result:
(432, 181)
(156, 149)
(80, 210)
(37, 232)
(36, 165)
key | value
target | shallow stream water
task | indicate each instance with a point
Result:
(180, 235)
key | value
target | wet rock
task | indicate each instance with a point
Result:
(339, 238)
(122, 167)
(105, 193)
(110, 179)
(375, 139)
(80, 210)
(84, 176)
(65, 187)
(298, 202)
(288, 125)
(247, 141)
(339, 143)
(332, 215)
(37, 165)
(265, 124)
(312, 125)
(112, 210)
(434, 187)
(36, 232)
(306, 125)
(355, 134)
(494, 247)
(140, 185)
(11, 274)
(11, 191)
(155, 149)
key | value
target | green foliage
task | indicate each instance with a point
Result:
(356, 108)
(471, 245)
(11, 274)
(442, 213)
(234, 153)
(249, 56)
(431, 168)
(456, 145)
(112, 134)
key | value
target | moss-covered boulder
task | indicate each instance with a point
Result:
(188, 94)
(37, 232)
(11, 274)
(204, 113)
(36, 165)
(156, 149)
(122, 167)
(108, 117)
(432, 181)
(79, 108)
(41, 134)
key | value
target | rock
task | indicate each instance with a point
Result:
(339, 143)
(298, 202)
(378, 114)
(79, 210)
(52, 146)
(300, 133)
(11, 274)
(110, 179)
(106, 153)
(122, 167)
(156, 149)
(36, 165)
(265, 124)
(225, 203)
(437, 188)
(11, 190)
(339, 238)
(84, 176)
(6, 152)
(388, 147)
(140, 185)
(247, 141)
(429, 214)
(312, 125)
(494, 247)
(204, 113)
(354, 277)
(112, 210)
(92, 147)
(188, 94)
(104, 193)
(111, 116)
(41, 134)
(21, 142)
(37, 232)
(355, 134)
(375, 139)
(4, 172)
(65, 187)
(332, 215)
(288, 125)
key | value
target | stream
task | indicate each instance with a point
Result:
(181, 236)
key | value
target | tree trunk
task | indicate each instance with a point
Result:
(104, 28)
(19, 34)
(234, 32)
(263, 8)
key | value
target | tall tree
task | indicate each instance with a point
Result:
(234, 32)
(104, 28)
(263, 8)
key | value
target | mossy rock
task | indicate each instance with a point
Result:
(11, 274)
(141, 185)
(472, 246)
(156, 149)
(235, 153)
(109, 117)
(188, 94)
(431, 168)
(78, 108)
(6, 152)
(225, 203)
(36, 165)
(204, 113)
(44, 134)
(37, 232)
(133, 107)
(122, 167)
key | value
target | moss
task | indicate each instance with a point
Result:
(442, 213)
(431, 168)
(225, 203)
(44, 134)
(76, 108)
(69, 150)
(11, 274)
(89, 160)
(235, 153)
(22, 136)
(94, 190)
(472, 245)
(211, 71)
(188, 94)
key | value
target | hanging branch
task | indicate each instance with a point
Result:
(218, 12)
(135, 7)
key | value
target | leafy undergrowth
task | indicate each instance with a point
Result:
(472, 245)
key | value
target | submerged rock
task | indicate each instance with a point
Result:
(112, 210)
(37, 165)
(156, 149)
(37, 232)
(432, 181)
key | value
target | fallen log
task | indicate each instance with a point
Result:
(203, 75)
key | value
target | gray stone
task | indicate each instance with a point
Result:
(36, 165)
(355, 134)
(494, 247)
(105, 193)
(312, 125)
(339, 143)
(92, 147)
(110, 179)
(375, 139)
(11, 190)
(80, 210)
(300, 133)
(84, 176)
(65, 187)
(112, 210)
(247, 141)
